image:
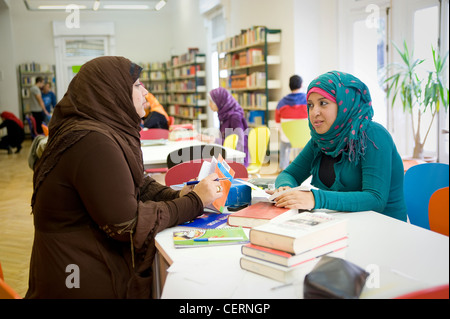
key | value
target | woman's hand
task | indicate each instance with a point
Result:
(208, 189)
(282, 188)
(186, 189)
(296, 200)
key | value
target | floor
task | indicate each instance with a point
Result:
(16, 221)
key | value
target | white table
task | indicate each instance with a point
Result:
(155, 156)
(401, 257)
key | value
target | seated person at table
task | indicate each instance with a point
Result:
(93, 208)
(14, 132)
(353, 161)
(231, 117)
(155, 115)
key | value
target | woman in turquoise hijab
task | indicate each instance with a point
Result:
(353, 161)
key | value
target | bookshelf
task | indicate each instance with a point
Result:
(186, 88)
(28, 72)
(154, 78)
(250, 60)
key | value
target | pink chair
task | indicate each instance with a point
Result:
(154, 134)
(185, 171)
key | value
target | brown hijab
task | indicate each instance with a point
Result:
(99, 98)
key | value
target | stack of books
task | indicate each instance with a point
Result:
(286, 250)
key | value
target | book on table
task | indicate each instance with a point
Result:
(289, 259)
(198, 237)
(282, 273)
(300, 232)
(255, 215)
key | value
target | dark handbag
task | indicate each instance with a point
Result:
(334, 278)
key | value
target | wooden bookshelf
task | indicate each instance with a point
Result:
(250, 59)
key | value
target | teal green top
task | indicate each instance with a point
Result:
(374, 183)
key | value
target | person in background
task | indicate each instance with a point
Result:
(290, 107)
(156, 116)
(231, 117)
(15, 132)
(49, 99)
(354, 162)
(95, 214)
(37, 106)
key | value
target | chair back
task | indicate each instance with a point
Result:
(6, 292)
(297, 132)
(437, 292)
(154, 134)
(438, 211)
(186, 171)
(420, 182)
(32, 125)
(195, 152)
(44, 129)
(231, 141)
(258, 140)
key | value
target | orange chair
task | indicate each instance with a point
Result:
(44, 129)
(438, 211)
(6, 292)
(439, 292)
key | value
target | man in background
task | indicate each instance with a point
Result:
(291, 107)
(37, 106)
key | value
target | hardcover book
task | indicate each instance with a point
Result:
(255, 215)
(300, 232)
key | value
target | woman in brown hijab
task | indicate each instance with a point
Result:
(95, 214)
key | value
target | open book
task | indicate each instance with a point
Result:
(222, 169)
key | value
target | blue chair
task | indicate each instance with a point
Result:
(421, 181)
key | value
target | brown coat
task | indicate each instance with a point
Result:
(89, 213)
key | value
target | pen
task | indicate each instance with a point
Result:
(218, 238)
(196, 182)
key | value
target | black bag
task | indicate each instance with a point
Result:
(334, 278)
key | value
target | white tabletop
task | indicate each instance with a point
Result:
(400, 257)
(155, 156)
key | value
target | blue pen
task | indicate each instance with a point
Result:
(196, 182)
(218, 239)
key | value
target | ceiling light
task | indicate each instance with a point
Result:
(126, 6)
(96, 5)
(58, 7)
(160, 5)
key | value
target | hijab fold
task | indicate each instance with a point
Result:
(98, 99)
(348, 134)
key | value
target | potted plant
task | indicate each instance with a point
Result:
(418, 95)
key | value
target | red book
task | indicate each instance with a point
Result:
(255, 215)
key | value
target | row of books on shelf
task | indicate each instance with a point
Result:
(192, 56)
(31, 79)
(187, 71)
(188, 84)
(151, 66)
(253, 35)
(156, 87)
(251, 100)
(243, 58)
(184, 111)
(154, 76)
(253, 80)
(196, 99)
(35, 67)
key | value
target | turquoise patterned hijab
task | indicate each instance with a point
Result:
(348, 133)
